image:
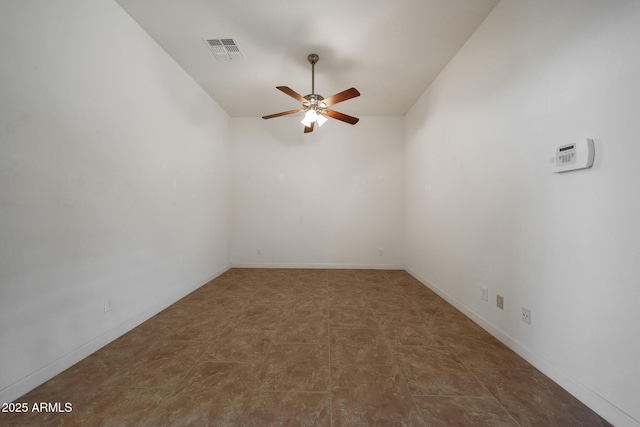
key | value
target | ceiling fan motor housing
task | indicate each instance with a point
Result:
(314, 102)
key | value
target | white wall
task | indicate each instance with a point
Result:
(330, 198)
(482, 208)
(114, 183)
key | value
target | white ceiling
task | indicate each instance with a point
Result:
(389, 50)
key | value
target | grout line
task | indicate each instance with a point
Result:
(462, 396)
(395, 362)
(484, 386)
(252, 391)
(330, 359)
(295, 391)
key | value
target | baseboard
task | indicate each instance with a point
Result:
(40, 376)
(329, 266)
(593, 400)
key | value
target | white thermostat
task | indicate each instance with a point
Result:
(578, 155)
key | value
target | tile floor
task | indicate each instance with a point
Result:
(259, 347)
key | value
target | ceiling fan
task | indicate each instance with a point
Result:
(315, 107)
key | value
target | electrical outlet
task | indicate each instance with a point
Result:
(500, 302)
(258, 251)
(380, 252)
(108, 304)
(485, 293)
(526, 315)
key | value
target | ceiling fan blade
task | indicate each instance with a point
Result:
(342, 96)
(343, 117)
(308, 129)
(284, 113)
(292, 93)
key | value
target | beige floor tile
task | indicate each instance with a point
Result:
(303, 328)
(287, 409)
(408, 330)
(441, 411)
(226, 377)
(352, 317)
(204, 407)
(367, 395)
(359, 346)
(296, 367)
(116, 406)
(259, 316)
(162, 366)
(312, 306)
(260, 347)
(435, 371)
(391, 306)
(240, 345)
(347, 299)
(486, 352)
(534, 400)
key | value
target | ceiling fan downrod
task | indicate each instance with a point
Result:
(314, 108)
(313, 59)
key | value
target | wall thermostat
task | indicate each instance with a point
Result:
(578, 155)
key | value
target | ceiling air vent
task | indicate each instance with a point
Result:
(224, 49)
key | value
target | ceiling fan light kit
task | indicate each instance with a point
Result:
(315, 107)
